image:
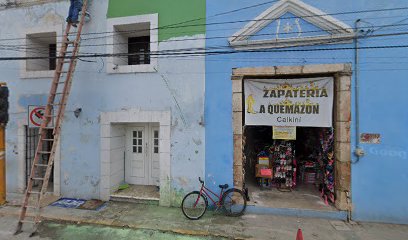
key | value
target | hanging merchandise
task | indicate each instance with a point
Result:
(284, 164)
(327, 162)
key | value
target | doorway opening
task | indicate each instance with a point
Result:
(341, 116)
(137, 156)
(290, 173)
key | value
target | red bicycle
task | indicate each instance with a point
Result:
(195, 204)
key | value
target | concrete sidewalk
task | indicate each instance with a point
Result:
(249, 226)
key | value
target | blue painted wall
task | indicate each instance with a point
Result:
(379, 179)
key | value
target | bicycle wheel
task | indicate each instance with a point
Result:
(234, 202)
(194, 205)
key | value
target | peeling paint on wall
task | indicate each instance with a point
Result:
(33, 99)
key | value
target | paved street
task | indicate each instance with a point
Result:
(139, 221)
(53, 230)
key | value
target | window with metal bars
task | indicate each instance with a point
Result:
(139, 50)
(32, 137)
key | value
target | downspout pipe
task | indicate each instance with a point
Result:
(359, 152)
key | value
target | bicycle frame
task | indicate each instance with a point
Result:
(207, 192)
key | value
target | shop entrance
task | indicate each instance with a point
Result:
(290, 173)
(340, 121)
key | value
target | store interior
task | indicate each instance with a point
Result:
(290, 173)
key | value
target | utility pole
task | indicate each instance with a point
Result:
(3, 121)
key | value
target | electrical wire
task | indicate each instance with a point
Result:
(203, 53)
(178, 25)
(13, 46)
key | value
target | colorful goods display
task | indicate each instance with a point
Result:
(283, 163)
(309, 161)
(327, 162)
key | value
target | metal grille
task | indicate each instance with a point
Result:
(31, 142)
(139, 50)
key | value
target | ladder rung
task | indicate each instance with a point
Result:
(50, 116)
(69, 42)
(48, 139)
(44, 152)
(38, 179)
(34, 192)
(48, 127)
(31, 207)
(41, 165)
(57, 104)
(62, 71)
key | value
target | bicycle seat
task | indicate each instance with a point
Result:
(225, 186)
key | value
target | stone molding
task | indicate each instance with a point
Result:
(132, 116)
(339, 32)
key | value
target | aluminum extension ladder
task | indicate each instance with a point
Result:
(57, 101)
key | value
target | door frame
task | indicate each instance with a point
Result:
(134, 116)
(342, 74)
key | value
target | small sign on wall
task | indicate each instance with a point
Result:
(285, 133)
(370, 138)
(36, 115)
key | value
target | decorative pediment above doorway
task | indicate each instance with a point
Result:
(290, 23)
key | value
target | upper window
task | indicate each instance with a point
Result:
(43, 46)
(132, 44)
(41, 54)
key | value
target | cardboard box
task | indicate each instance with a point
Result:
(263, 160)
(259, 167)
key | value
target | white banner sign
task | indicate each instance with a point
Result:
(304, 102)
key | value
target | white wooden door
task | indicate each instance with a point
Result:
(142, 155)
(135, 169)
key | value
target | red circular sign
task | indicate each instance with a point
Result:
(36, 116)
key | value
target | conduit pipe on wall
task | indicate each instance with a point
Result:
(358, 151)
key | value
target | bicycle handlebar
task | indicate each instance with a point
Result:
(201, 181)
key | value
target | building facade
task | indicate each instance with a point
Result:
(291, 40)
(131, 118)
(160, 97)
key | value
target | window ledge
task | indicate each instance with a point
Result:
(143, 68)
